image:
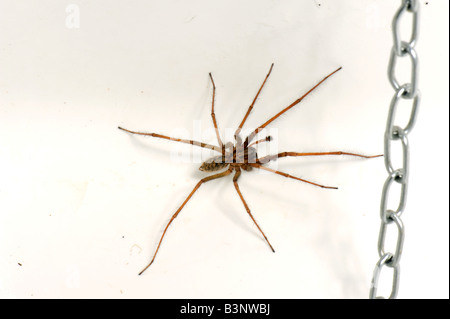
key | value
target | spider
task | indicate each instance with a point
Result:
(241, 155)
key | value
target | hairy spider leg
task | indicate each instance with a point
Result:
(238, 130)
(269, 158)
(258, 129)
(235, 179)
(204, 145)
(213, 116)
(266, 139)
(203, 180)
(289, 176)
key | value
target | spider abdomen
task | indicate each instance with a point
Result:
(214, 164)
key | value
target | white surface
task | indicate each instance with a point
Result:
(83, 205)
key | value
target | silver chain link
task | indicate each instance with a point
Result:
(408, 91)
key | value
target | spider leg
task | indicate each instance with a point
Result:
(257, 130)
(213, 115)
(289, 176)
(266, 139)
(235, 178)
(204, 145)
(203, 180)
(269, 158)
(238, 130)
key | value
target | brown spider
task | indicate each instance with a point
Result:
(241, 156)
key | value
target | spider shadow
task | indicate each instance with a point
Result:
(233, 210)
(333, 236)
(336, 247)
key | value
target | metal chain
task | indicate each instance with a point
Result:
(393, 132)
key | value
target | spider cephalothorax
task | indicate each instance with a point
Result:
(241, 155)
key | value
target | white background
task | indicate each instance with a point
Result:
(83, 205)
